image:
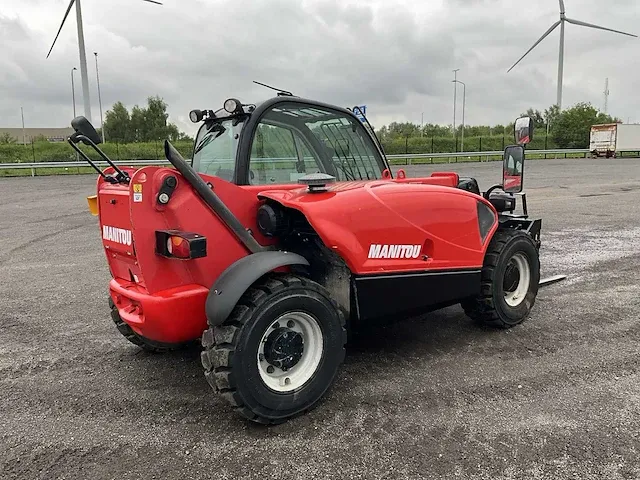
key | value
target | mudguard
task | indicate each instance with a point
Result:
(239, 276)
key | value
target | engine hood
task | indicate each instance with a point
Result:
(351, 218)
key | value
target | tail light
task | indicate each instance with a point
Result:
(181, 245)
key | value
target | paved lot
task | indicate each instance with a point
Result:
(433, 397)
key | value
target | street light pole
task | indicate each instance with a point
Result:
(24, 135)
(73, 92)
(99, 97)
(455, 91)
(464, 101)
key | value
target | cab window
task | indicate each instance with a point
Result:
(215, 149)
(293, 140)
(279, 155)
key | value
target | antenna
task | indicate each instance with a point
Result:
(280, 91)
(606, 95)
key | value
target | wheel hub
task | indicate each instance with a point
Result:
(516, 280)
(284, 348)
(511, 277)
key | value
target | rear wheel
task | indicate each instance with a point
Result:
(279, 351)
(142, 342)
(510, 278)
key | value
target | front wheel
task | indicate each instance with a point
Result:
(510, 279)
(279, 350)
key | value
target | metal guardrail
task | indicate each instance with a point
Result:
(408, 157)
(487, 155)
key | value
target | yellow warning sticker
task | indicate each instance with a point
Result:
(137, 188)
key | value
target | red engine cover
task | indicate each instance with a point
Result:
(387, 226)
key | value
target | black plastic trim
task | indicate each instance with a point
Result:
(168, 186)
(239, 276)
(485, 224)
(380, 296)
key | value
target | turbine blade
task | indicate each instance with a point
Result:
(61, 25)
(561, 6)
(152, 1)
(551, 29)
(590, 25)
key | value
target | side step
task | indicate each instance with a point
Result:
(551, 280)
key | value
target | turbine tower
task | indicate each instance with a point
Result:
(606, 95)
(83, 56)
(564, 19)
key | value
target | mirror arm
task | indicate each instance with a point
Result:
(88, 160)
(122, 176)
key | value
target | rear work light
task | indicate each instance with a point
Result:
(180, 245)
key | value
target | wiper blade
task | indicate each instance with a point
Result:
(208, 138)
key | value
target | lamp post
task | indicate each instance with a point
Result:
(24, 135)
(464, 100)
(99, 97)
(73, 92)
(455, 91)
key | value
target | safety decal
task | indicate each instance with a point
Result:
(137, 192)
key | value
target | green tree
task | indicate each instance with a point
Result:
(572, 128)
(7, 138)
(138, 127)
(538, 118)
(155, 119)
(143, 124)
(551, 114)
(117, 123)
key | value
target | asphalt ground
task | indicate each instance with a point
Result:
(433, 397)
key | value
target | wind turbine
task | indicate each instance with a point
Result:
(83, 57)
(561, 22)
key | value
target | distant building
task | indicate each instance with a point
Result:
(28, 134)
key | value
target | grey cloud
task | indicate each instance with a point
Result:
(395, 56)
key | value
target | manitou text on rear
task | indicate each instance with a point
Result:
(117, 235)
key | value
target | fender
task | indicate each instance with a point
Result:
(239, 276)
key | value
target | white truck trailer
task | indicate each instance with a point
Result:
(612, 138)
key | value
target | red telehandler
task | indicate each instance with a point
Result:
(286, 229)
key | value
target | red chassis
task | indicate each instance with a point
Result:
(163, 299)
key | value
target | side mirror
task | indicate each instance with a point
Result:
(513, 169)
(82, 126)
(523, 130)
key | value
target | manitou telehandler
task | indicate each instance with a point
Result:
(285, 230)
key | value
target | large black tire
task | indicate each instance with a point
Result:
(491, 307)
(231, 354)
(138, 340)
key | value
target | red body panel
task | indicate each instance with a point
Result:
(171, 292)
(163, 299)
(352, 216)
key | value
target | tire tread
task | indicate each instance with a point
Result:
(217, 358)
(483, 309)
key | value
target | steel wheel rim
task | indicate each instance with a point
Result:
(286, 381)
(515, 297)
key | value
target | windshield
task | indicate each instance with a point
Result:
(215, 148)
(295, 139)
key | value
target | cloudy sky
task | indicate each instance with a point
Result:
(395, 56)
